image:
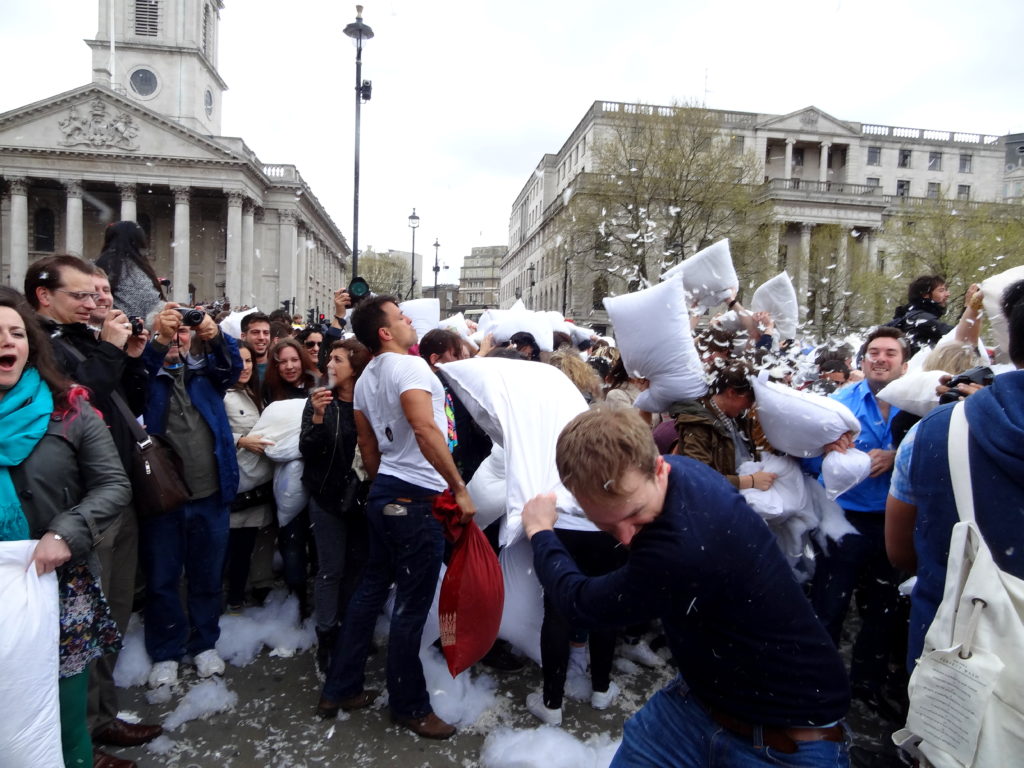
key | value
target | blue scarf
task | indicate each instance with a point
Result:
(24, 415)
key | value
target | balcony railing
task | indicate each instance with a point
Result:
(814, 188)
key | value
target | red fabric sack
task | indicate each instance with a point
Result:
(472, 592)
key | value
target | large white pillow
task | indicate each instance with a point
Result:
(708, 276)
(778, 297)
(914, 391)
(841, 471)
(652, 328)
(281, 422)
(992, 293)
(522, 406)
(232, 324)
(504, 323)
(800, 423)
(424, 313)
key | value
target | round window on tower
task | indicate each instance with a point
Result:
(143, 81)
(208, 101)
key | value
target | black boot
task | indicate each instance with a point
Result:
(325, 640)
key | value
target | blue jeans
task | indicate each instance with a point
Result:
(194, 539)
(406, 545)
(674, 729)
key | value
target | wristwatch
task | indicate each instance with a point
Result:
(57, 536)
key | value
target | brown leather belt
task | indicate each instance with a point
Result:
(782, 740)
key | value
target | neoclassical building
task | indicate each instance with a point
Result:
(817, 170)
(142, 141)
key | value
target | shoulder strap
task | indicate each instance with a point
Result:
(959, 462)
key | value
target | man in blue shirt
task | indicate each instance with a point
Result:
(857, 564)
(760, 681)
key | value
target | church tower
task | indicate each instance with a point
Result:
(165, 57)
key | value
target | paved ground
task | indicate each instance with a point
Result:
(273, 724)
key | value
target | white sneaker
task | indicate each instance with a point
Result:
(641, 653)
(604, 699)
(535, 704)
(209, 663)
(163, 673)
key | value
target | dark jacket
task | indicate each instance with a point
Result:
(72, 483)
(919, 320)
(206, 388)
(105, 370)
(328, 450)
(701, 437)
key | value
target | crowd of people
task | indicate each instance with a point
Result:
(670, 551)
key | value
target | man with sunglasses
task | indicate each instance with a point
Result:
(64, 292)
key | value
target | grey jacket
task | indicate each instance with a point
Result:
(73, 482)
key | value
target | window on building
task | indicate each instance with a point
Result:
(874, 181)
(874, 155)
(600, 291)
(904, 158)
(933, 189)
(636, 165)
(934, 161)
(965, 163)
(881, 260)
(147, 17)
(903, 188)
(736, 144)
(783, 257)
(146, 223)
(963, 191)
(798, 157)
(45, 228)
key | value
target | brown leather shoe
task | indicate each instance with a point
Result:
(429, 727)
(103, 760)
(328, 709)
(122, 734)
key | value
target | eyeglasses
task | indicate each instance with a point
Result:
(80, 295)
(311, 344)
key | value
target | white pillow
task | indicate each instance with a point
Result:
(487, 487)
(424, 313)
(800, 423)
(457, 323)
(992, 293)
(842, 471)
(281, 423)
(503, 323)
(914, 391)
(708, 276)
(652, 328)
(522, 406)
(523, 611)
(778, 297)
(232, 324)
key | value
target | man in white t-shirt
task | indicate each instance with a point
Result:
(400, 420)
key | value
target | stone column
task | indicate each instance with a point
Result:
(787, 171)
(249, 262)
(129, 194)
(74, 238)
(180, 245)
(823, 162)
(286, 256)
(802, 264)
(233, 249)
(302, 271)
(17, 187)
(773, 246)
(871, 236)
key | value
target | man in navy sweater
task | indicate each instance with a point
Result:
(760, 680)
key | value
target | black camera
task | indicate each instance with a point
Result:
(191, 317)
(138, 325)
(358, 290)
(981, 374)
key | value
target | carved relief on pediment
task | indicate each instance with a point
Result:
(99, 129)
(809, 118)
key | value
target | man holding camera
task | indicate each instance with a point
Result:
(191, 364)
(68, 294)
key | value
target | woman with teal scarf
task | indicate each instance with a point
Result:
(61, 483)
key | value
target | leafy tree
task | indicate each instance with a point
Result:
(385, 272)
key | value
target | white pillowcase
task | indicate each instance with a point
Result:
(914, 391)
(992, 293)
(841, 471)
(778, 297)
(708, 276)
(504, 323)
(800, 423)
(424, 313)
(652, 328)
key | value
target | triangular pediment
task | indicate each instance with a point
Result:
(95, 120)
(808, 120)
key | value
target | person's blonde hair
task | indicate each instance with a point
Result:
(952, 357)
(579, 373)
(597, 448)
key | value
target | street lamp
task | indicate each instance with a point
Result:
(358, 32)
(531, 270)
(414, 221)
(437, 265)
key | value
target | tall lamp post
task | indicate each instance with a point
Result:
(531, 269)
(358, 32)
(437, 265)
(414, 221)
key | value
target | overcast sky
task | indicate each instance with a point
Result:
(469, 94)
